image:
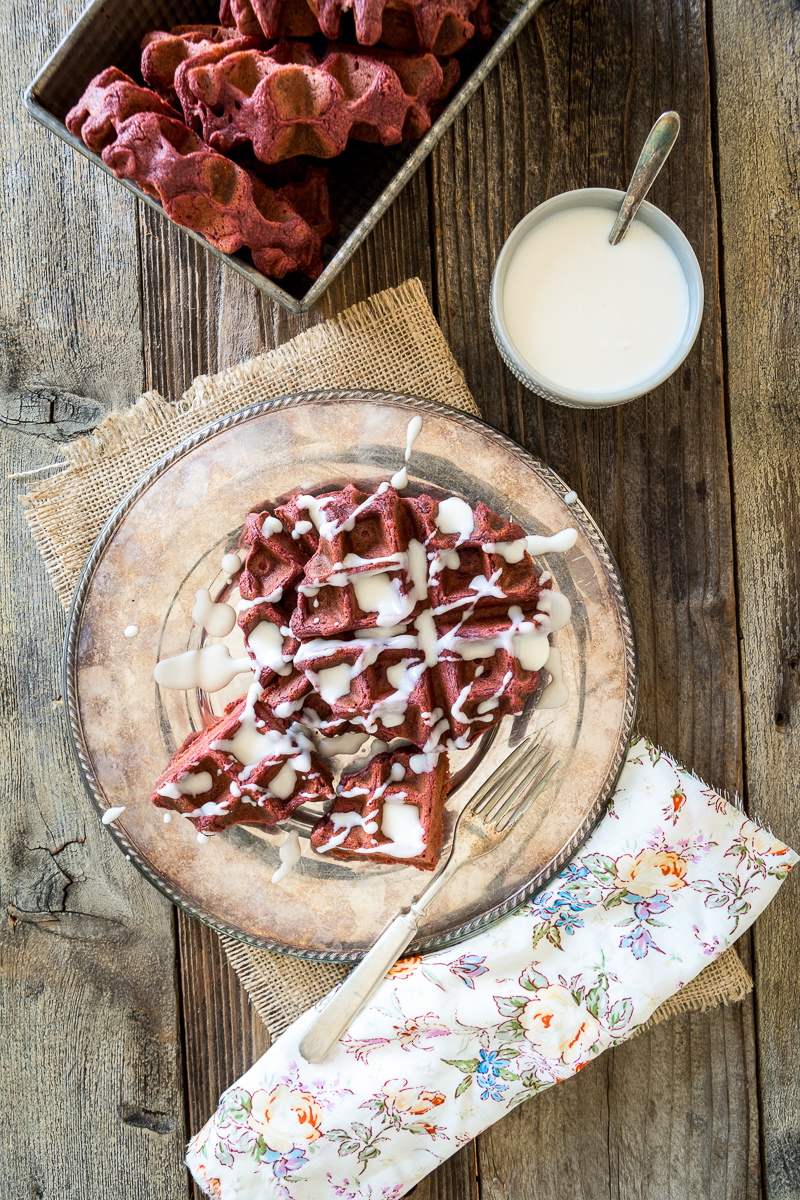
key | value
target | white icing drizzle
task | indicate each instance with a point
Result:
(211, 808)
(380, 593)
(283, 782)
(265, 641)
(421, 764)
(345, 743)
(455, 516)
(270, 525)
(111, 814)
(570, 497)
(130, 631)
(250, 745)
(289, 854)
(412, 433)
(442, 559)
(557, 543)
(401, 824)
(556, 606)
(217, 619)
(210, 668)
(400, 479)
(193, 783)
(231, 563)
(300, 528)
(167, 818)
(273, 598)
(343, 822)
(314, 508)
(333, 683)
(202, 838)
(512, 552)
(556, 694)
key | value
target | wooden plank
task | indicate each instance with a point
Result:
(91, 1053)
(757, 75)
(569, 107)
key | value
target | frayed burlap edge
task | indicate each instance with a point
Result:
(281, 988)
(389, 342)
(723, 981)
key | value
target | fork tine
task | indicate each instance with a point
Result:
(509, 796)
(520, 811)
(488, 788)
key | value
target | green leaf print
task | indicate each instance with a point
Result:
(467, 1065)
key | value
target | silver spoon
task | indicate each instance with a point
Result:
(660, 140)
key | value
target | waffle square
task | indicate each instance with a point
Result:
(246, 767)
(389, 812)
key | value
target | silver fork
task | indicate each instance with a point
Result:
(492, 812)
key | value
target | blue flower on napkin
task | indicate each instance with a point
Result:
(490, 1063)
(492, 1090)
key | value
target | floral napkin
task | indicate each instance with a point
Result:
(671, 876)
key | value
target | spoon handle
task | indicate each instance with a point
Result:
(660, 141)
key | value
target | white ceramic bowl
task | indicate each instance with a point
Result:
(611, 199)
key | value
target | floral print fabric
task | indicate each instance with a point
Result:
(670, 877)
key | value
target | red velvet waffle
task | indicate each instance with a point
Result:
(271, 650)
(163, 53)
(288, 18)
(368, 803)
(275, 560)
(284, 772)
(378, 84)
(385, 586)
(108, 101)
(212, 195)
(383, 690)
(363, 551)
(467, 556)
(286, 102)
(440, 26)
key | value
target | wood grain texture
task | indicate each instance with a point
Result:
(758, 79)
(90, 1056)
(569, 107)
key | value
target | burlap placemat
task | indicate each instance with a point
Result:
(391, 342)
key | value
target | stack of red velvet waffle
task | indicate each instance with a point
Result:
(375, 616)
(226, 131)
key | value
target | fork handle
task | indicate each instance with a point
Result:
(360, 985)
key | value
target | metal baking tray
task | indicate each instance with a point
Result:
(365, 179)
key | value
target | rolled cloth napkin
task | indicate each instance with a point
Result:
(670, 877)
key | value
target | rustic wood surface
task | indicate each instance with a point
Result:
(121, 1019)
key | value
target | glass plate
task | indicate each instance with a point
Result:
(168, 537)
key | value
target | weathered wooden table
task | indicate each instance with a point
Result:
(121, 1022)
